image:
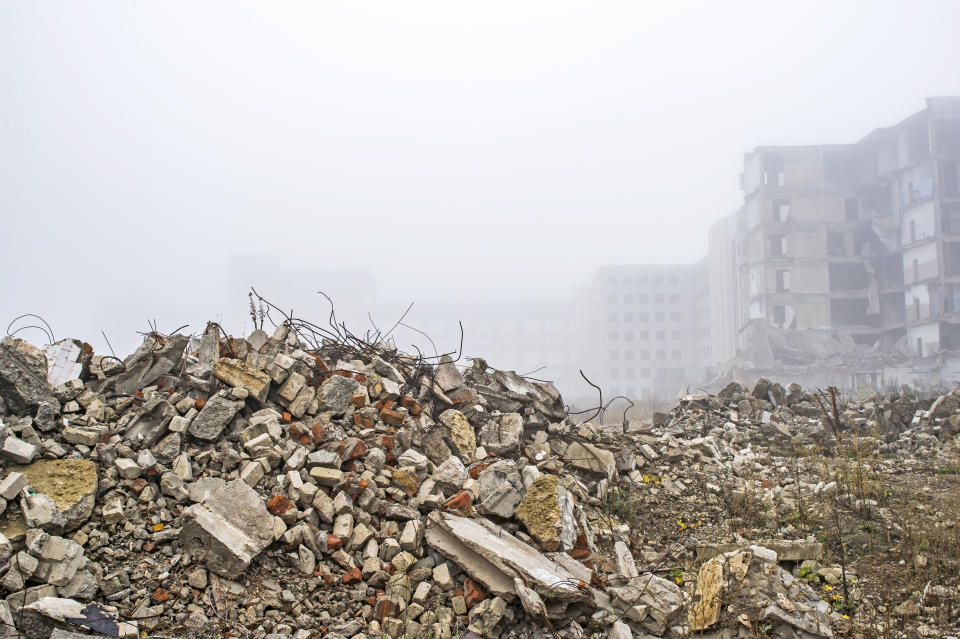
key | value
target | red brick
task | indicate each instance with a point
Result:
(392, 417)
(580, 554)
(476, 469)
(473, 593)
(358, 450)
(279, 504)
(461, 502)
(333, 543)
(352, 576)
(161, 596)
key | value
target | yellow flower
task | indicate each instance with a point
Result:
(827, 587)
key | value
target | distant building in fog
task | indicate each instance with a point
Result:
(643, 329)
(861, 237)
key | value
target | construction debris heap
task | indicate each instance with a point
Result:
(277, 486)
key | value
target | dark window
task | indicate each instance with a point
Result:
(778, 244)
(836, 247)
(781, 210)
(783, 280)
(779, 315)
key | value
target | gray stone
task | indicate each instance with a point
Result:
(59, 560)
(499, 490)
(40, 511)
(168, 448)
(127, 468)
(173, 487)
(83, 586)
(591, 458)
(450, 475)
(23, 377)
(485, 615)
(214, 417)
(14, 449)
(291, 388)
(447, 375)
(336, 393)
(504, 437)
(150, 423)
(494, 557)
(146, 365)
(326, 458)
(229, 528)
(12, 484)
(86, 435)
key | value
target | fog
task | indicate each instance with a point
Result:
(157, 159)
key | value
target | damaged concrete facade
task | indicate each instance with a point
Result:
(841, 244)
(856, 237)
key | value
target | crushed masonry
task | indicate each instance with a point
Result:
(311, 483)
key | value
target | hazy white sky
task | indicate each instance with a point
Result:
(485, 151)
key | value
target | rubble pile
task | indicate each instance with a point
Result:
(281, 486)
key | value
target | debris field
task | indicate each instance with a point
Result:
(310, 483)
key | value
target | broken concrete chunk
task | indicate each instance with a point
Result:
(152, 359)
(150, 423)
(15, 450)
(499, 490)
(59, 560)
(214, 417)
(239, 374)
(450, 475)
(447, 375)
(12, 484)
(503, 437)
(23, 377)
(290, 388)
(495, 558)
(591, 458)
(461, 434)
(40, 511)
(72, 483)
(336, 393)
(229, 529)
(547, 513)
(48, 614)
